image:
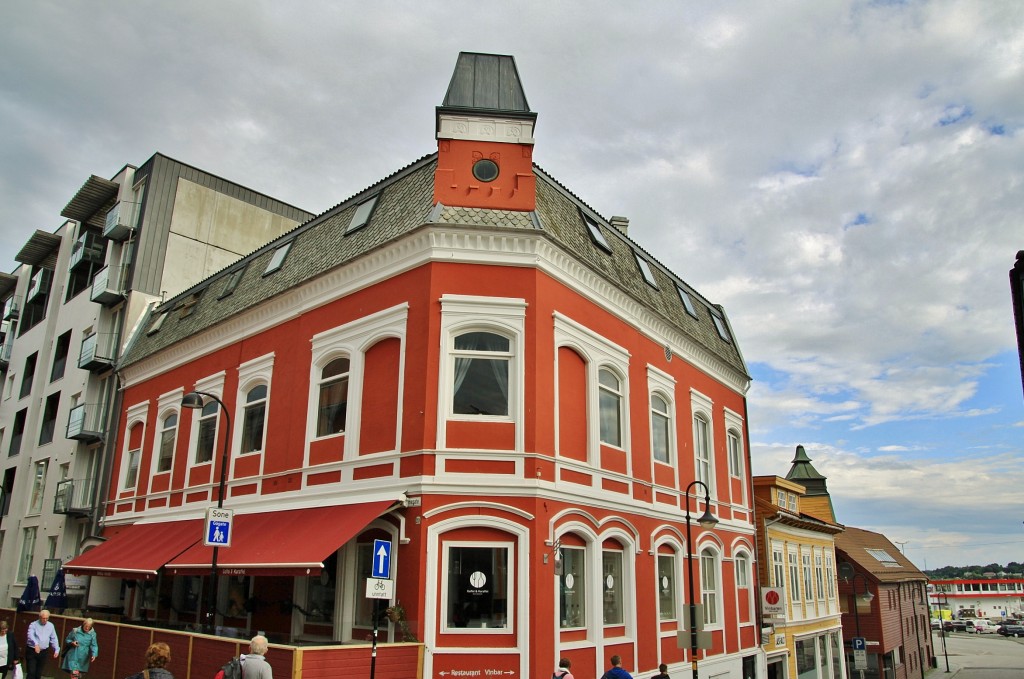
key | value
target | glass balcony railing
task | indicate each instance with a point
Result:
(97, 352)
(74, 496)
(85, 423)
(108, 285)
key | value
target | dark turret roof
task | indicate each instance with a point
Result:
(486, 82)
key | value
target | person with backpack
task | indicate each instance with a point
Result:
(563, 670)
(158, 656)
(256, 665)
(616, 671)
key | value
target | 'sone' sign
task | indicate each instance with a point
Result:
(218, 527)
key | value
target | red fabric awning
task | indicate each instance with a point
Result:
(137, 551)
(293, 542)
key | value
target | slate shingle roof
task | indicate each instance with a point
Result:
(855, 543)
(405, 202)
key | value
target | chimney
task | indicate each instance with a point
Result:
(621, 223)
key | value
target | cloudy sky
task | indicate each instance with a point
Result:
(847, 178)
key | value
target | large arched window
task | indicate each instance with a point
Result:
(610, 402)
(666, 585)
(168, 434)
(253, 418)
(333, 406)
(702, 448)
(480, 382)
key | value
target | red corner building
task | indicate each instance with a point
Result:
(467, 361)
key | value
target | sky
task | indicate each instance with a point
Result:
(846, 178)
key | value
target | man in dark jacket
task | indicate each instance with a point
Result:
(616, 671)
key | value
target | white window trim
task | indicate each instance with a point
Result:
(678, 557)
(135, 414)
(510, 570)
(352, 340)
(701, 405)
(734, 422)
(214, 384)
(597, 352)
(502, 315)
(719, 584)
(166, 405)
(663, 384)
(253, 373)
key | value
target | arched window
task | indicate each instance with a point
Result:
(253, 418)
(732, 439)
(709, 586)
(206, 437)
(572, 587)
(666, 586)
(702, 448)
(613, 588)
(742, 563)
(610, 401)
(333, 406)
(168, 434)
(660, 429)
(480, 382)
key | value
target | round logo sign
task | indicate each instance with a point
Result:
(478, 579)
(771, 597)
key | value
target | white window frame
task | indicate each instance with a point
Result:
(583, 591)
(244, 406)
(805, 561)
(711, 597)
(674, 584)
(618, 589)
(40, 470)
(279, 256)
(616, 393)
(702, 408)
(255, 372)
(793, 564)
(166, 405)
(353, 340)
(664, 385)
(134, 415)
(323, 382)
(499, 315)
(27, 554)
(214, 384)
(510, 587)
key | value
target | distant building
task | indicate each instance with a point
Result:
(882, 595)
(149, 232)
(465, 361)
(995, 597)
(799, 593)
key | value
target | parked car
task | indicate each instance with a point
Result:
(958, 625)
(1011, 630)
(936, 623)
(984, 627)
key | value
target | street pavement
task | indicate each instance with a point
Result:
(978, 656)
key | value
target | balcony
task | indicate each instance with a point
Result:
(108, 285)
(74, 497)
(87, 250)
(12, 309)
(40, 284)
(120, 221)
(6, 344)
(85, 423)
(97, 353)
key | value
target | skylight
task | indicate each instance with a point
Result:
(277, 261)
(645, 269)
(595, 233)
(687, 301)
(362, 215)
(154, 327)
(884, 558)
(723, 330)
(232, 282)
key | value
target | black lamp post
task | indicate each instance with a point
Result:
(868, 596)
(708, 520)
(194, 400)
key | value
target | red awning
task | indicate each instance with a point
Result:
(294, 542)
(137, 551)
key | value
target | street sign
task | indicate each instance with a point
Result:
(859, 644)
(380, 588)
(381, 566)
(217, 531)
(860, 660)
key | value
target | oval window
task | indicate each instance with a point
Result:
(485, 170)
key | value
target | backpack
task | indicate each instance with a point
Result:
(231, 670)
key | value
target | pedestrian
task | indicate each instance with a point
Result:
(80, 649)
(616, 671)
(158, 656)
(8, 650)
(662, 672)
(256, 665)
(563, 670)
(42, 635)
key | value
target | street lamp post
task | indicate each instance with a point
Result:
(708, 520)
(194, 400)
(867, 596)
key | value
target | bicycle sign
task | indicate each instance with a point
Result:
(380, 588)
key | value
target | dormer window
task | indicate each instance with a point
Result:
(362, 215)
(596, 235)
(645, 270)
(277, 260)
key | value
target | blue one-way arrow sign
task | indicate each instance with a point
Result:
(381, 567)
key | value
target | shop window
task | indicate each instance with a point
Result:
(611, 567)
(667, 586)
(477, 588)
(610, 402)
(320, 593)
(254, 416)
(480, 385)
(363, 606)
(806, 667)
(572, 589)
(332, 410)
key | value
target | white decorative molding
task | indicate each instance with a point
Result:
(485, 128)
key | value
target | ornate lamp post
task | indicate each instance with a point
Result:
(708, 520)
(194, 400)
